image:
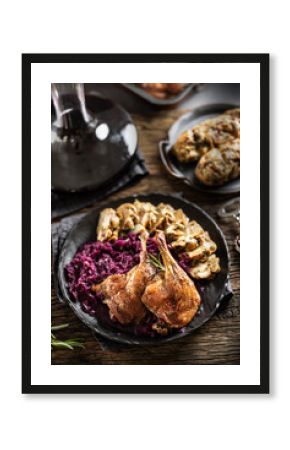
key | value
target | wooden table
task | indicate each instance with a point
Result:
(218, 341)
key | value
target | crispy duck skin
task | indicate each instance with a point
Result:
(122, 292)
(171, 295)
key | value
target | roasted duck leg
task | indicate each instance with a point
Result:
(171, 295)
(122, 293)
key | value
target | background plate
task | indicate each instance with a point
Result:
(185, 172)
(214, 291)
(173, 100)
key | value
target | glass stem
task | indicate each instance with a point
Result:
(65, 104)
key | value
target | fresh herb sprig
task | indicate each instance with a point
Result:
(69, 343)
(156, 262)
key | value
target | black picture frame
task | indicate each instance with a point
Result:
(27, 60)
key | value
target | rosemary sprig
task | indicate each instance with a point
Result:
(59, 327)
(156, 262)
(69, 343)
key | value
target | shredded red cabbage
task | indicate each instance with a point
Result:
(95, 261)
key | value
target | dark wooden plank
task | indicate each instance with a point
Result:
(218, 341)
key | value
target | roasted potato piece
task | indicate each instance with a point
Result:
(207, 135)
(191, 145)
(220, 165)
(183, 235)
(147, 214)
(108, 226)
(223, 129)
(128, 216)
(205, 269)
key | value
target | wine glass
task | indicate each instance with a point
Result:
(231, 210)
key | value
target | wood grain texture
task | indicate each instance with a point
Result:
(218, 341)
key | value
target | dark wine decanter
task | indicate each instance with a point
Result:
(92, 139)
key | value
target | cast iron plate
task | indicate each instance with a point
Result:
(88, 168)
(214, 292)
(185, 172)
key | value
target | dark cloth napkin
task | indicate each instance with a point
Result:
(63, 203)
(59, 232)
